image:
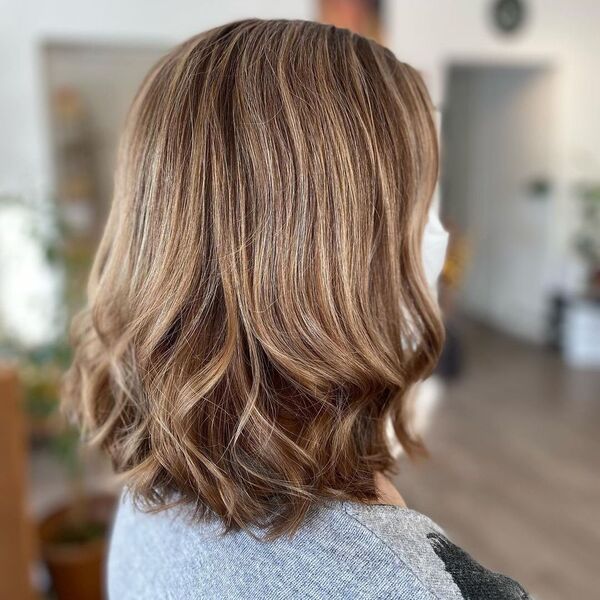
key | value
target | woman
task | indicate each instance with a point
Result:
(259, 310)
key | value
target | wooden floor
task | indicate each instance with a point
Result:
(514, 475)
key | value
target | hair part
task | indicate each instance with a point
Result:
(257, 307)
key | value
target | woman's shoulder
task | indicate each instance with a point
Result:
(342, 550)
(416, 544)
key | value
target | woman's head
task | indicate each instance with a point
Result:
(257, 306)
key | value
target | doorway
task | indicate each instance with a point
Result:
(498, 161)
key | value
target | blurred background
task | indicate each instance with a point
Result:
(512, 416)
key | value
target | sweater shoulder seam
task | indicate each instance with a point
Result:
(392, 551)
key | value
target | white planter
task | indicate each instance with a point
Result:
(581, 334)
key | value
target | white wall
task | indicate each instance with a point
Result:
(431, 34)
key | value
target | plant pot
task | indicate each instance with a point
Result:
(77, 565)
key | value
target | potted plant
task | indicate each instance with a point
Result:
(587, 241)
(73, 536)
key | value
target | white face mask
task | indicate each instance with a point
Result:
(433, 248)
(433, 253)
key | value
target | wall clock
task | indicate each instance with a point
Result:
(508, 15)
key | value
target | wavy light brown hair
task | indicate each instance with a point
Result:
(257, 306)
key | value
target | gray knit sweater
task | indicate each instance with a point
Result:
(343, 551)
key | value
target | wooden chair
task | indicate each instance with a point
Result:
(16, 539)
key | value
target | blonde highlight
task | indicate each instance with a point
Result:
(257, 307)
